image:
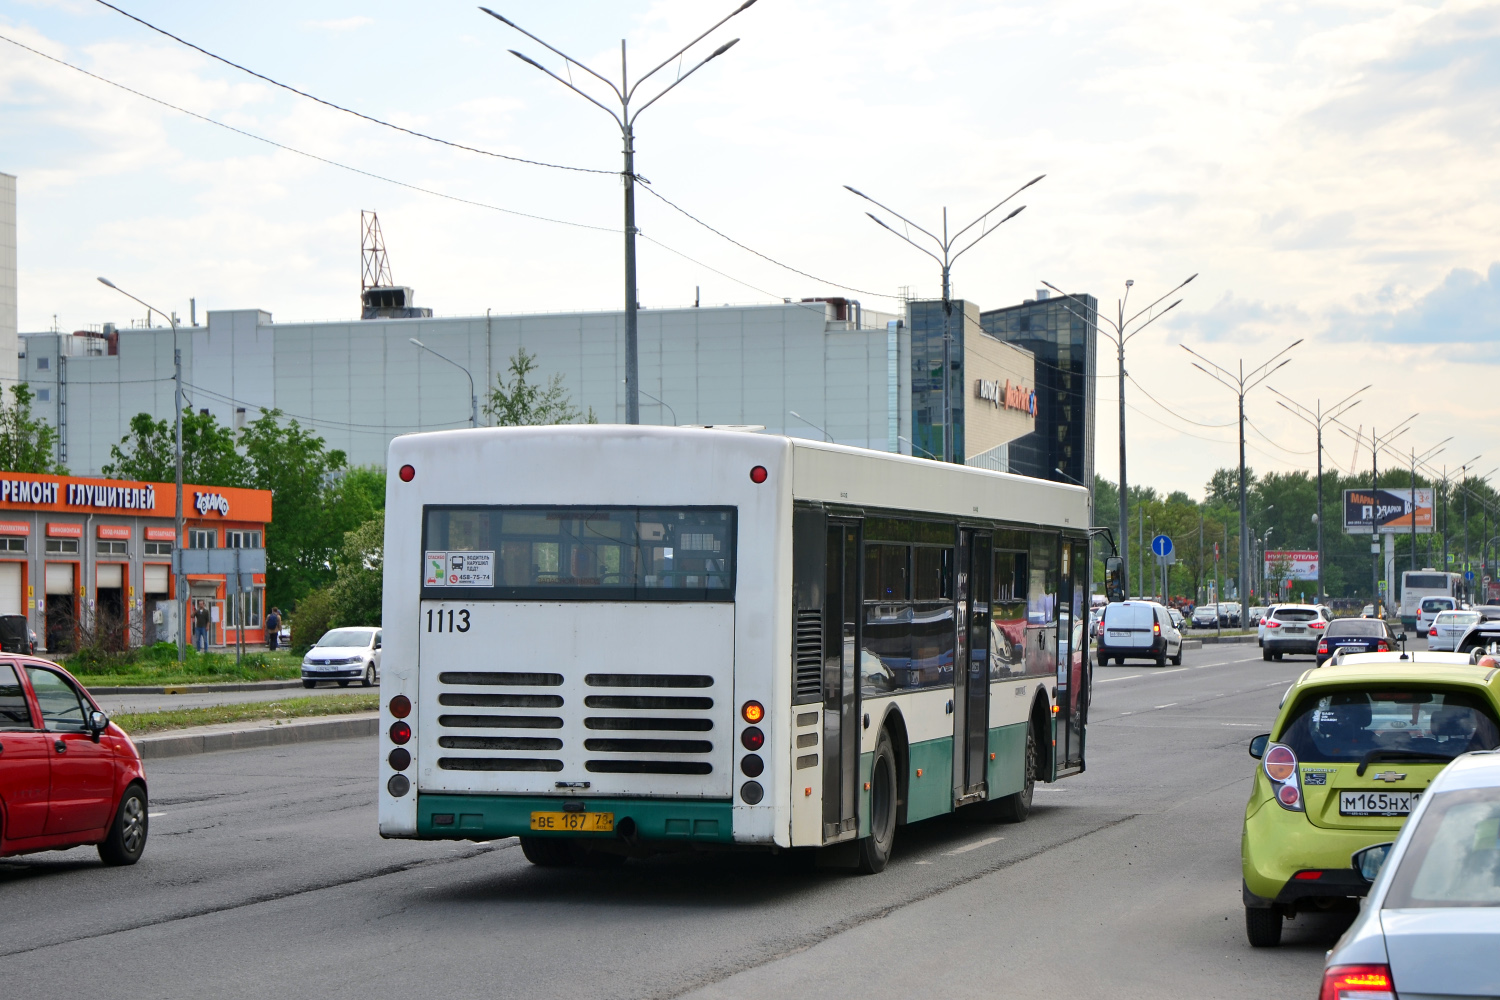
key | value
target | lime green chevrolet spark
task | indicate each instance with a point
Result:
(1353, 747)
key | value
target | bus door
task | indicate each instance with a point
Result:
(971, 681)
(841, 724)
(1072, 654)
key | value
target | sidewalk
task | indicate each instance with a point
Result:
(261, 733)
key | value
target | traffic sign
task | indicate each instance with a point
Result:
(1161, 545)
(1469, 576)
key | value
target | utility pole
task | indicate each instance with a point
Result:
(626, 119)
(1123, 330)
(1240, 384)
(1317, 417)
(946, 244)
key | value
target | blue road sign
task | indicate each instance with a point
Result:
(1161, 545)
(1469, 576)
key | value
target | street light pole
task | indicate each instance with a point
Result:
(1122, 333)
(946, 244)
(1317, 417)
(626, 121)
(1240, 384)
(473, 398)
(181, 580)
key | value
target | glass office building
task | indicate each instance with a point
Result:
(927, 321)
(1062, 334)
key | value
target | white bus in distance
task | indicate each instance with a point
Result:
(1417, 584)
(611, 641)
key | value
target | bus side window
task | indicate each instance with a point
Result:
(1008, 589)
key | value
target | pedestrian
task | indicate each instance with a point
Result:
(273, 629)
(200, 627)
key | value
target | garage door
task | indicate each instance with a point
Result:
(109, 576)
(155, 578)
(59, 578)
(10, 589)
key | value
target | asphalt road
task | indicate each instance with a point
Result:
(264, 875)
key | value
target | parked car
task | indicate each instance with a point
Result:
(1430, 920)
(344, 655)
(1229, 615)
(1292, 628)
(1206, 616)
(1349, 756)
(68, 776)
(1449, 627)
(1139, 630)
(1178, 622)
(16, 635)
(1356, 635)
(1258, 613)
(1429, 610)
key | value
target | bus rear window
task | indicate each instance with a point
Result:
(579, 553)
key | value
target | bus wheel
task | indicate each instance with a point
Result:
(875, 850)
(1015, 808)
(548, 852)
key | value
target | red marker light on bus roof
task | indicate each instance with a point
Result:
(758, 474)
(407, 473)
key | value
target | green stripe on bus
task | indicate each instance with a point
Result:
(487, 817)
(931, 793)
(1007, 772)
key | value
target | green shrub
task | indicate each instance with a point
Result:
(310, 619)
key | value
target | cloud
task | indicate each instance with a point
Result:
(1463, 309)
(1233, 318)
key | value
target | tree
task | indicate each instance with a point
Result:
(369, 480)
(1224, 486)
(149, 452)
(522, 402)
(27, 443)
(355, 595)
(312, 504)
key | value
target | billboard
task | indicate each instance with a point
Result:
(1290, 564)
(1389, 510)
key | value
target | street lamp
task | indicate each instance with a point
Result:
(812, 425)
(1240, 384)
(1122, 333)
(473, 399)
(181, 580)
(946, 244)
(1317, 418)
(626, 120)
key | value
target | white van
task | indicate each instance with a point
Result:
(1138, 630)
(1430, 608)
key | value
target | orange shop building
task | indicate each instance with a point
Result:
(79, 555)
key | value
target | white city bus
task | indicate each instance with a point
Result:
(612, 640)
(1417, 584)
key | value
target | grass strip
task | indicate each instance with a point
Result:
(145, 723)
(210, 668)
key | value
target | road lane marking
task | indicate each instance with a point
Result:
(1127, 677)
(1174, 670)
(1247, 725)
(151, 815)
(974, 846)
(1167, 705)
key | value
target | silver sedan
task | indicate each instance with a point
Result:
(1430, 926)
(1448, 628)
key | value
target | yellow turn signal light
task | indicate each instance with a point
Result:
(752, 712)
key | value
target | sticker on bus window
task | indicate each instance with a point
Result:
(471, 569)
(435, 570)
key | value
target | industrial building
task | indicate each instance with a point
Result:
(824, 369)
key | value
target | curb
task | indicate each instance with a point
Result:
(185, 743)
(1191, 644)
(1214, 640)
(194, 688)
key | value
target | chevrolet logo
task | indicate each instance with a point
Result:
(1389, 776)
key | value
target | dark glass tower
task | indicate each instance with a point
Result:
(1062, 334)
(927, 323)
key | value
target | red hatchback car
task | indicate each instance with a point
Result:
(68, 776)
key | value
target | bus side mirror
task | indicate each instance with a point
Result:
(1258, 745)
(1114, 579)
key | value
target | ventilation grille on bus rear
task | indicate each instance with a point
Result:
(500, 741)
(807, 684)
(652, 736)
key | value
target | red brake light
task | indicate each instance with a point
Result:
(1271, 623)
(1156, 628)
(1281, 763)
(1382, 646)
(1317, 624)
(1432, 631)
(758, 474)
(1288, 795)
(400, 732)
(401, 706)
(408, 473)
(1368, 982)
(1323, 646)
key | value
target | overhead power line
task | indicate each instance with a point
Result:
(349, 111)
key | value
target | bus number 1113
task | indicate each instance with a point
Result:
(458, 624)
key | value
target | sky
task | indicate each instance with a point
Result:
(1326, 169)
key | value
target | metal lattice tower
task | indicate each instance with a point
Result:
(376, 269)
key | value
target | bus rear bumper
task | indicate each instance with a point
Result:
(448, 816)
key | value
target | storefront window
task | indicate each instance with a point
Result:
(203, 538)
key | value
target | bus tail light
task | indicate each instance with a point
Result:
(401, 706)
(758, 474)
(752, 712)
(1280, 765)
(400, 732)
(1366, 982)
(407, 473)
